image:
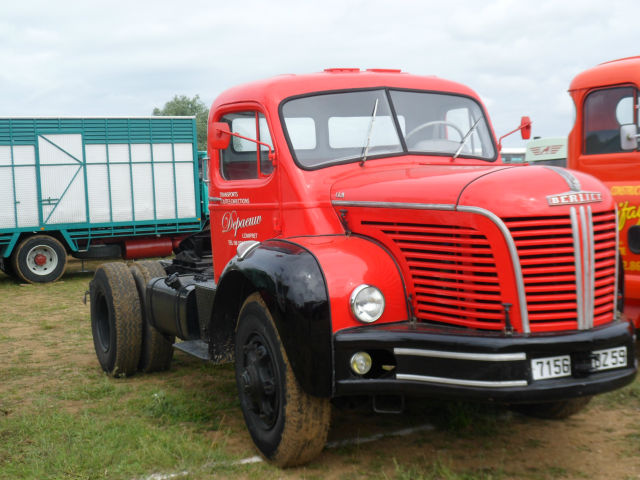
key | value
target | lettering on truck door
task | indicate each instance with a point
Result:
(244, 188)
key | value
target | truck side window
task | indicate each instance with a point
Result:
(244, 159)
(604, 112)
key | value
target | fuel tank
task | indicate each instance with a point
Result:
(172, 307)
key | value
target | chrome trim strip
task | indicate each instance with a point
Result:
(462, 382)
(478, 357)
(575, 230)
(592, 268)
(515, 260)
(615, 284)
(572, 181)
(412, 206)
(586, 268)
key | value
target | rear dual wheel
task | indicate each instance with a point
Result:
(156, 350)
(288, 426)
(116, 320)
(123, 339)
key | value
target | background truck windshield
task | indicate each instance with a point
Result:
(331, 128)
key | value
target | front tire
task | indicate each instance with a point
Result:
(156, 351)
(116, 319)
(553, 410)
(39, 259)
(288, 426)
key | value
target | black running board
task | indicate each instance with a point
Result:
(196, 348)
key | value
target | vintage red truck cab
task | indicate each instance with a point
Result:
(604, 143)
(368, 240)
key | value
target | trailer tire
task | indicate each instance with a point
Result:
(288, 426)
(115, 319)
(156, 350)
(39, 259)
(553, 410)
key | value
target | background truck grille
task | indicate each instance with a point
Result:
(452, 272)
(564, 292)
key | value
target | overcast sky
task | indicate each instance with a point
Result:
(116, 57)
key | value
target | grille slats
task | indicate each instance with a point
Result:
(453, 274)
(550, 267)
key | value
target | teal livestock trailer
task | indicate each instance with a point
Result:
(96, 188)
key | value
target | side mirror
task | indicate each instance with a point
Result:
(629, 137)
(219, 136)
(525, 128)
(525, 131)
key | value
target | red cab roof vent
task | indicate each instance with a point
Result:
(342, 70)
(384, 70)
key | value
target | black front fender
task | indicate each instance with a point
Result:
(293, 286)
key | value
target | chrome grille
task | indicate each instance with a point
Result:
(568, 266)
(452, 273)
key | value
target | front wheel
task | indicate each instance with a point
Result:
(288, 426)
(553, 410)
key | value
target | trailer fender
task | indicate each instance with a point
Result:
(291, 283)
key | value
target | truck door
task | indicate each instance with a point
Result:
(244, 195)
(603, 154)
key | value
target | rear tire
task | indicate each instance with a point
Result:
(157, 349)
(39, 259)
(116, 319)
(7, 268)
(553, 410)
(288, 426)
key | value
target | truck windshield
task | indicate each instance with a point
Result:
(326, 129)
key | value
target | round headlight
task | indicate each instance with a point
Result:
(367, 303)
(361, 363)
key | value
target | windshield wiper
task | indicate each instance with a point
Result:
(465, 138)
(366, 148)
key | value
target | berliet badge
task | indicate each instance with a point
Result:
(574, 198)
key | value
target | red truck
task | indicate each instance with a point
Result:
(604, 143)
(368, 241)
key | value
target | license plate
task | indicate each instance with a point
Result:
(551, 367)
(609, 358)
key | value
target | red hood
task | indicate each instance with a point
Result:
(506, 191)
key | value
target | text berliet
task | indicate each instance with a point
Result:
(574, 198)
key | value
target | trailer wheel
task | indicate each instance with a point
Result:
(39, 259)
(157, 349)
(553, 410)
(115, 319)
(288, 426)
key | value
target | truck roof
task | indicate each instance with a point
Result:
(615, 72)
(275, 89)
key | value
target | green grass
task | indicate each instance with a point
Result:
(61, 417)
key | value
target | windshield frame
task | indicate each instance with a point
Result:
(405, 151)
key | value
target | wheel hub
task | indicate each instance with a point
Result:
(258, 382)
(42, 260)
